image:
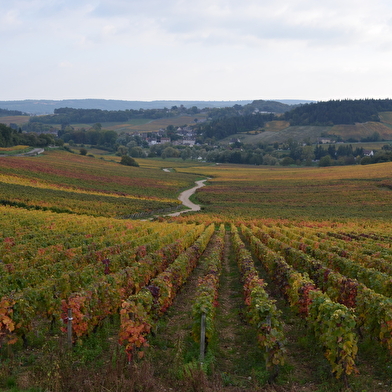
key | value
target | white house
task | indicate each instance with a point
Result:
(368, 153)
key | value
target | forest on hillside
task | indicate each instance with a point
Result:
(230, 121)
(69, 115)
(336, 112)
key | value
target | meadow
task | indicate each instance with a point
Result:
(282, 282)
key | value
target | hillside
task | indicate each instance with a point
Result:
(47, 106)
(280, 131)
(245, 191)
(298, 133)
(290, 268)
(63, 182)
(336, 112)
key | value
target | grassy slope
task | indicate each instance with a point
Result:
(298, 133)
(386, 117)
(359, 131)
(281, 131)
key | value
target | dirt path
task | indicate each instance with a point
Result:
(237, 354)
(184, 198)
(33, 152)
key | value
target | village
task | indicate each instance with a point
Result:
(183, 136)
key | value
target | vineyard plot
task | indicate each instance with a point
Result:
(136, 274)
(91, 276)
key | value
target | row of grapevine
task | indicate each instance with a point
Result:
(205, 301)
(262, 311)
(94, 294)
(366, 248)
(373, 311)
(83, 265)
(375, 280)
(39, 229)
(140, 310)
(80, 202)
(332, 323)
(56, 241)
(365, 254)
(104, 295)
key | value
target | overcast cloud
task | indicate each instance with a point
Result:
(199, 49)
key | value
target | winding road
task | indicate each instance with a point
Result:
(184, 198)
(33, 152)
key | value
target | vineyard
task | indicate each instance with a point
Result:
(75, 184)
(302, 193)
(282, 282)
(68, 278)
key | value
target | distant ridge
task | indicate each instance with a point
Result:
(48, 106)
(42, 106)
(293, 101)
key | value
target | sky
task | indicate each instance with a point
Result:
(195, 50)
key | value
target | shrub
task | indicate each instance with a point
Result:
(128, 161)
(325, 161)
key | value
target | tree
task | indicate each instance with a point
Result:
(307, 154)
(366, 161)
(269, 160)
(295, 149)
(186, 153)
(325, 161)
(170, 152)
(332, 150)
(128, 161)
(136, 152)
(97, 126)
(286, 161)
(83, 151)
(122, 150)
(110, 137)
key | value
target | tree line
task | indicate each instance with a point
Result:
(7, 112)
(336, 112)
(10, 137)
(94, 136)
(294, 153)
(222, 127)
(91, 116)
